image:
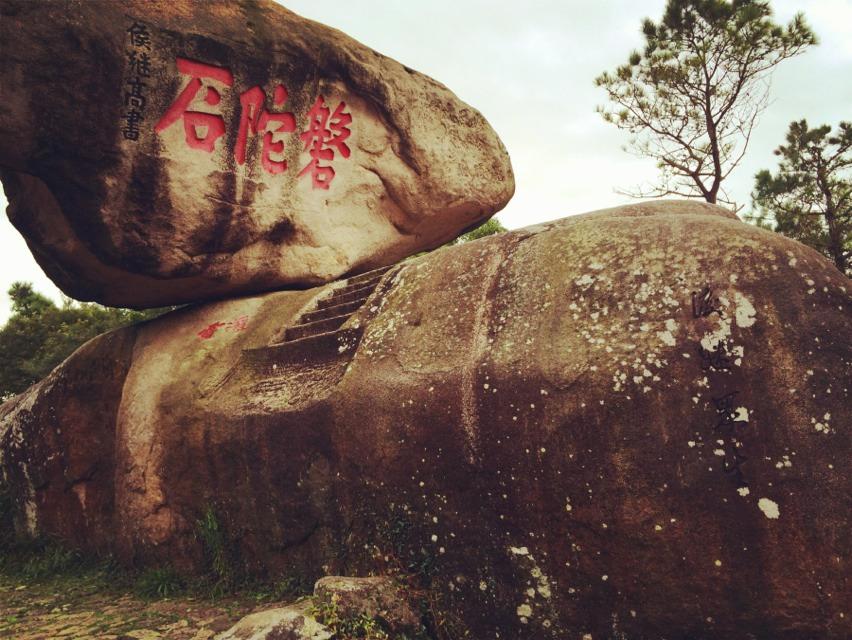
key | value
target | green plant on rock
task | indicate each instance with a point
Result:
(348, 627)
(219, 553)
(488, 228)
(398, 530)
(40, 559)
(160, 582)
(292, 586)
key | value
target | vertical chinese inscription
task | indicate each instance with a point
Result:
(731, 420)
(138, 70)
(704, 303)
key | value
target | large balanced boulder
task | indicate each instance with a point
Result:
(166, 151)
(631, 423)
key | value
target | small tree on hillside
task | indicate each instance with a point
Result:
(487, 228)
(692, 98)
(809, 199)
(40, 334)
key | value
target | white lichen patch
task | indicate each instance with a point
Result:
(785, 462)
(538, 583)
(738, 352)
(769, 508)
(743, 491)
(666, 338)
(744, 311)
(822, 426)
(712, 339)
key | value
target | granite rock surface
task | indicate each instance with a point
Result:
(159, 152)
(630, 423)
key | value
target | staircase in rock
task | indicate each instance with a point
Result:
(317, 339)
(332, 312)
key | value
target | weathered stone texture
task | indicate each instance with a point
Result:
(293, 622)
(57, 443)
(632, 423)
(341, 601)
(127, 194)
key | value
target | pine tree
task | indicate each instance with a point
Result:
(809, 199)
(692, 98)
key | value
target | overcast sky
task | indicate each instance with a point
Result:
(529, 68)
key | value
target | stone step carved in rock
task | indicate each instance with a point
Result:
(273, 359)
(330, 312)
(316, 349)
(369, 275)
(317, 327)
(351, 295)
(333, 312)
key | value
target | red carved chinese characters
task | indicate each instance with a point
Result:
(327, 131)
(254, 118)
(324, 132)
(239, 324)
(212, 125)
(210, 330)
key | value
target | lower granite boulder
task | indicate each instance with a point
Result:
(380, 600)
(631, 423)
(342, 608)
(293, 622)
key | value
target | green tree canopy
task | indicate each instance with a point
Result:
(692, 97)
(40, 334)
(487, 228)
(809, 198)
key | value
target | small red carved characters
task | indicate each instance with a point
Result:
(213, 125)
(239, 324)
(254, 118)
(325, 129)
(210, 330)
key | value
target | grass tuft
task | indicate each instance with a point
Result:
(160, 582)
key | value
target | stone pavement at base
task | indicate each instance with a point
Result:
(85, 608)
